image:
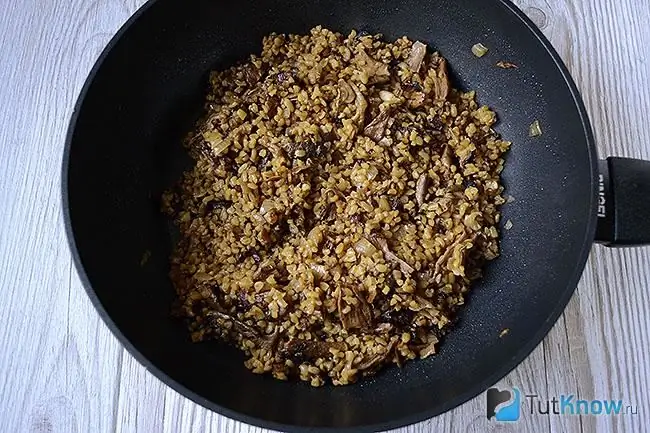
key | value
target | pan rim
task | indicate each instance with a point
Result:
(478, 388)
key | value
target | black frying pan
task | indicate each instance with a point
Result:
(124, 149)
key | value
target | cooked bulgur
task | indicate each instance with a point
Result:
(344, 197)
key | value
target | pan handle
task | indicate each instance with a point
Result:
(623, 202)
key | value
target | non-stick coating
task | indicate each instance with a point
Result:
(124, 149)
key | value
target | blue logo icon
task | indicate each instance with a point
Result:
(503, 405)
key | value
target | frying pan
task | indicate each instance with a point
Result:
(123, 150)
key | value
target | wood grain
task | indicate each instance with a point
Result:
(63, 372)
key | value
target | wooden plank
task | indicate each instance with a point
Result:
(58, 361)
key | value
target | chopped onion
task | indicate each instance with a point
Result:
(267, 206)
(316, 235)
(387, 96)
(318, 270)
(217, 144)
(535, 129)
(418, 51)
(363, 246)
(222, 146)
(372, 172)
(479, 50)
(508, 225)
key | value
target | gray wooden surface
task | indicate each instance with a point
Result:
(61, 371)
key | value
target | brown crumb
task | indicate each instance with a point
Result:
(507, 65)
(145, 258)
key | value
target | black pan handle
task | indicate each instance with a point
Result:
(623, 202)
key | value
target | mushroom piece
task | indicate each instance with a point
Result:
(415, 99)
(359, 316)
(375, 129)
(376, 71)
(390, 256)
(360, 103)
(325, 212)
(385, 142)
(438, 73)
(251, 74)
(238, 326)
(418, 51)
(375, 360)
(304, 350)
(269, 342)
(429, 348)
(444, 258)
(423, 304)
(421, 189)
(346, 94)
(264, 270)
(447, 156)
(319, 271)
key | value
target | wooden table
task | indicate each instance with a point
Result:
(62, 371)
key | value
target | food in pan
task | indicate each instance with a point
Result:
(343, 199)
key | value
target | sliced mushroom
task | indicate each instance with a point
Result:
(298, 221)
(264, 270)
(251, 74)
(507, 65)
(360, 103)
(444, 258)
(319, 271)
(375, 361)
(238, 326)
(386, 141)
(415, 99)
(418, 51)
(325, 212)
(425, 277)
(359, 316)
(375, 129)
(429, 348)
(399, 318)
(376, 71)
(304, 350)
(382, 244)
(447, 156)
(397, 357)
(269, 342)
(441, 85)
(384, 327)
(346, 94)
(423, 304)
(421, 189)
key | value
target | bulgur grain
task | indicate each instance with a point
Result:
(342, 197)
